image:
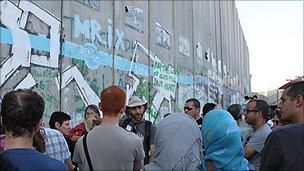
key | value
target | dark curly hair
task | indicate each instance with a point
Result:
(21, 111)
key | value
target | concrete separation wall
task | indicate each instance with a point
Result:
(163, 51)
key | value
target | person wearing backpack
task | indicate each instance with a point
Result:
(135, 122)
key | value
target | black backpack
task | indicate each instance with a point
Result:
(146, 142)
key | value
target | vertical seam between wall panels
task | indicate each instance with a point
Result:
(113, 49)
(60, 55)
(149, 57)
(221, 50)
(173, 48)
(193, 49)
(215, 40)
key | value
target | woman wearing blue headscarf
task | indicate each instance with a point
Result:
(222, 141)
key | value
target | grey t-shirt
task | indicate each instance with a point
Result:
(110, 148)
(256, 142)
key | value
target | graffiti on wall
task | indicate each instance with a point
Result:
(184, 46)
(93, 4)
(32, 36)
(162, 36)
(91, 30)
(164, 81)
(199, 50)
(135, 18)
(85, 91)
(29, 46)
(16, 18)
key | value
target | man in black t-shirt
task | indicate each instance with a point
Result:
(284, 148)
(135, 122)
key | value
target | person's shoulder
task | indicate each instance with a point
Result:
(51, 160)
(50, 131)
(53, 133)
(53, 164)
(79, 141)
(129, 136)
(44, 159)
(149, 123)
(291, 128)
(265, 129)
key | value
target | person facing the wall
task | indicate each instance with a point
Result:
(108, 146)
(21, 113)
(178, 144)
(221, 138)
(208, 107)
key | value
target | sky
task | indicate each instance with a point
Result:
(274, 34)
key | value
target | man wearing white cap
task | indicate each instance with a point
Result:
(135, 122)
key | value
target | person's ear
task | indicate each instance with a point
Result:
(259, 113)
(123, 109)
(99, 105)
(57, 125)
(299, 101)
(1, 120)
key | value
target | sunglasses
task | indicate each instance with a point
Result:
(188, 108)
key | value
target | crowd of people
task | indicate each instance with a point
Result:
(239, 138)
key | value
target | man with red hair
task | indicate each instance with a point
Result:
(108, 146)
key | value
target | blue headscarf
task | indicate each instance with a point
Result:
(222, 141)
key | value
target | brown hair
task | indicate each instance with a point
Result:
(21, 111)
(112, 100)
(39, 141)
